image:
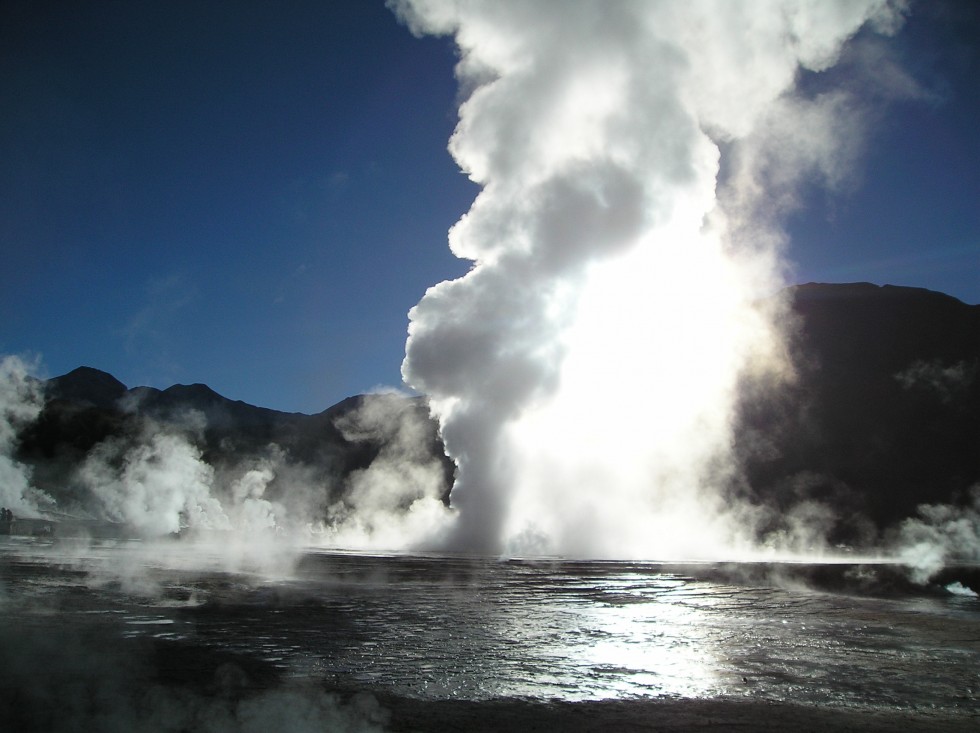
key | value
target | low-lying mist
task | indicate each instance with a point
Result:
(151, 482)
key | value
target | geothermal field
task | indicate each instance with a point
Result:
(686, 429)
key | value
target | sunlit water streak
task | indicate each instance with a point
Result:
(438, 627)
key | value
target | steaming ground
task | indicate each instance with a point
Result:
(153, 484)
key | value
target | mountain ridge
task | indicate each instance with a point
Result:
(881, 416)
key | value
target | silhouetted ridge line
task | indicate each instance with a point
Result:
(882, 415)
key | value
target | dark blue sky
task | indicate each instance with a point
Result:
(253, 194)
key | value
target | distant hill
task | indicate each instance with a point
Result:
(87, 407)
(883, 415)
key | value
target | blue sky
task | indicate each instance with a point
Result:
(252, 195)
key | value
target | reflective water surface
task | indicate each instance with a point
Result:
(438, 627)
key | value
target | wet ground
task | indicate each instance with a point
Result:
(133, 632)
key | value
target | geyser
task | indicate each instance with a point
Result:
(584, 370)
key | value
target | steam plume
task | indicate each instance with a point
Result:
(941, 534)
(395, 503)
(20, 403)
(163, 485)
(583, 372)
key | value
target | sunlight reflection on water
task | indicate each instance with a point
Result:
(650, 640)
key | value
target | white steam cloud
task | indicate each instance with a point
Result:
(21, 401)
(942, 534)
(396, 502)
(161, 487)
(157, 485)
(584, 371)
(250, 512)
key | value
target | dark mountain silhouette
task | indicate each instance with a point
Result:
(883, 414)
(87, 386)
(88, 407)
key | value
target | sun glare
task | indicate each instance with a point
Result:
(658, 340)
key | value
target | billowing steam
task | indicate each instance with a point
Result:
(253, 511)
(584, 370)
(942, 534)
(395, 503)
(20, 403)
(161, 486)
(158, 484)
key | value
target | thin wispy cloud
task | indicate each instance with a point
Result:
(156, 324)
